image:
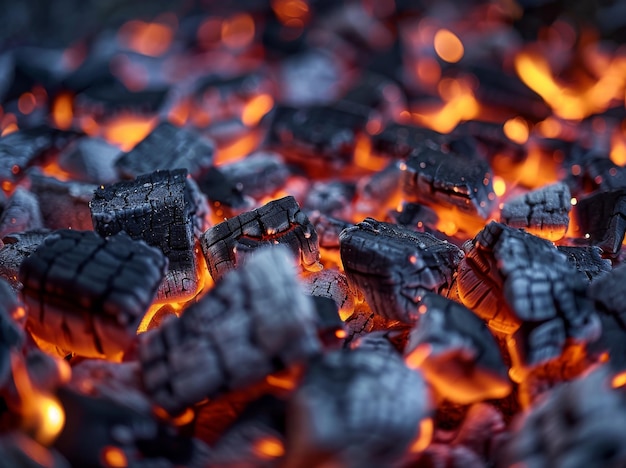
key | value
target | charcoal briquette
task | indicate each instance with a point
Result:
(328, 229)
(16, 248)
(278, 222)
(376, 191)
(90, 160)
(331, 284)
(587, 260)
(255, 321)
(22, 213)
(329, 325)
(414, 216)
(88, 294)
(398, 141)
(601, 218)
(394, 267)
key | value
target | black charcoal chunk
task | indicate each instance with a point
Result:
(329, 325)
(157, 208)
(522, 285)
(601, 217)
(446, 455)
(88, 294)
(18, 449)
(223, 193)
(167, 148)
(90, 160)
(377, 92)
(255, 321)
(258, 175)
(414, 216)
(333, 198)
(11, 335)
(16, 248)
(587, 260)
(375, 192)
(356, 408)
(22, 213)
(609, 294)
(63, 204)
(111, 96)
(328, 229)
(543, 212)
(398, 141)
(22, 149)
(332, 284)
(578, 424)
(326, 133)
(278, 222)
(451, 180)
(456, 352)
(394, 267)
(593, 171)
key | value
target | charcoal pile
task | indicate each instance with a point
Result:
(312, 233)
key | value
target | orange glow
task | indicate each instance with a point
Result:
(516, 130)
(499, 186)
(618, 149)
(52, 169)
(10, 128)
(363, 156)
(151, 39)
(185, 418)
(424, 437)
(238, 149)
(256, 109)
(128, 130)
(62, 111)
(269, 447)
(536, 170)
(341, 334)
(209, 31)
(26, 103)
(238, 31)
(549, 128)
(428, 70)
(291, 12)
(281, 380)
(417, 357)
(448, 46)
(619, 380)
(19, 313)
(179, 114)
(114, 457)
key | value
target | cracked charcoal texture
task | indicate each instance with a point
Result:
(543, 212)
(328, 229)
(11, 334)
(159, 209)
(578, 424)
(22, 213)
(464, 363)
(609, 294)
(602, 215)
(167, 148)
(63, 205)
(255, 321)
(16, 248)
(374, 192)
(451, 180)
(398, 141)
(522, 285)
(333, 198)
(332, 284)
(393, 266)
(278, 222)
(358, 408)
(587, 260)
(413, 215)
(90, 160)
(88, 294)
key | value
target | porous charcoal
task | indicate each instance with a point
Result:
(602, 219)
(278, 222)
(451, 180)
(16, 248)
(398, 141)
(167, 148)
(90, 160)
(159, 209)
(589, 418)
(333, 198)
(357, 408)
(63, 205)
(87, 294)
(394, 266)
(255, 321)
(22, 213)
(587, 260)
(332, 284)
(522, 285)
(458, 355)
(543, 212)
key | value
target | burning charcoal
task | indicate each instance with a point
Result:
(609, 294)
(63, 205)
(522, 285)
(328, 229)
(445, 455)
(224, 195)
(381, 341)
(356, 408)
(377, 92)
(199, 207)
(333, 285)
(112, 283)
(611, 343)
(17, 449)
(376, 192)
(394, 266)
(581, 423)
(11, 334)
(482, 430)
(255, 321)
(99, 431)
(260, 174)
(451, 180)
(111, 96)
(278, 222)
(315, 134)
(543, 212)
(602, 218)
(333, 198)
(167, 148)
(414, 216)
(329, 325)
(592, 171)
(459, 356)
(158, 209)
(398, 141)
(16, 248)
(587, 260)
(22, 213)
(90, 160)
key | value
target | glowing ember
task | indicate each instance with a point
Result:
(448, 46)
(151, 39)
(62, 111)
(269, 448)
(128, 130)
(114, 457)
(517, 130)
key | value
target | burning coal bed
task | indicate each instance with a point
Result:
(315, 234)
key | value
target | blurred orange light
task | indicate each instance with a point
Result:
(62, 112)
(618, 149)
(238, 31)
(619, 380)
(269, 447)
(256, 109)
(341, 334)
(499, 186)
(26, 103)
(128, 130)
(114, 457)
(516, 130)
(10, 128)
(291, 12)
(425, 435)
(151, 39)
(428, 70)
(448, 46)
